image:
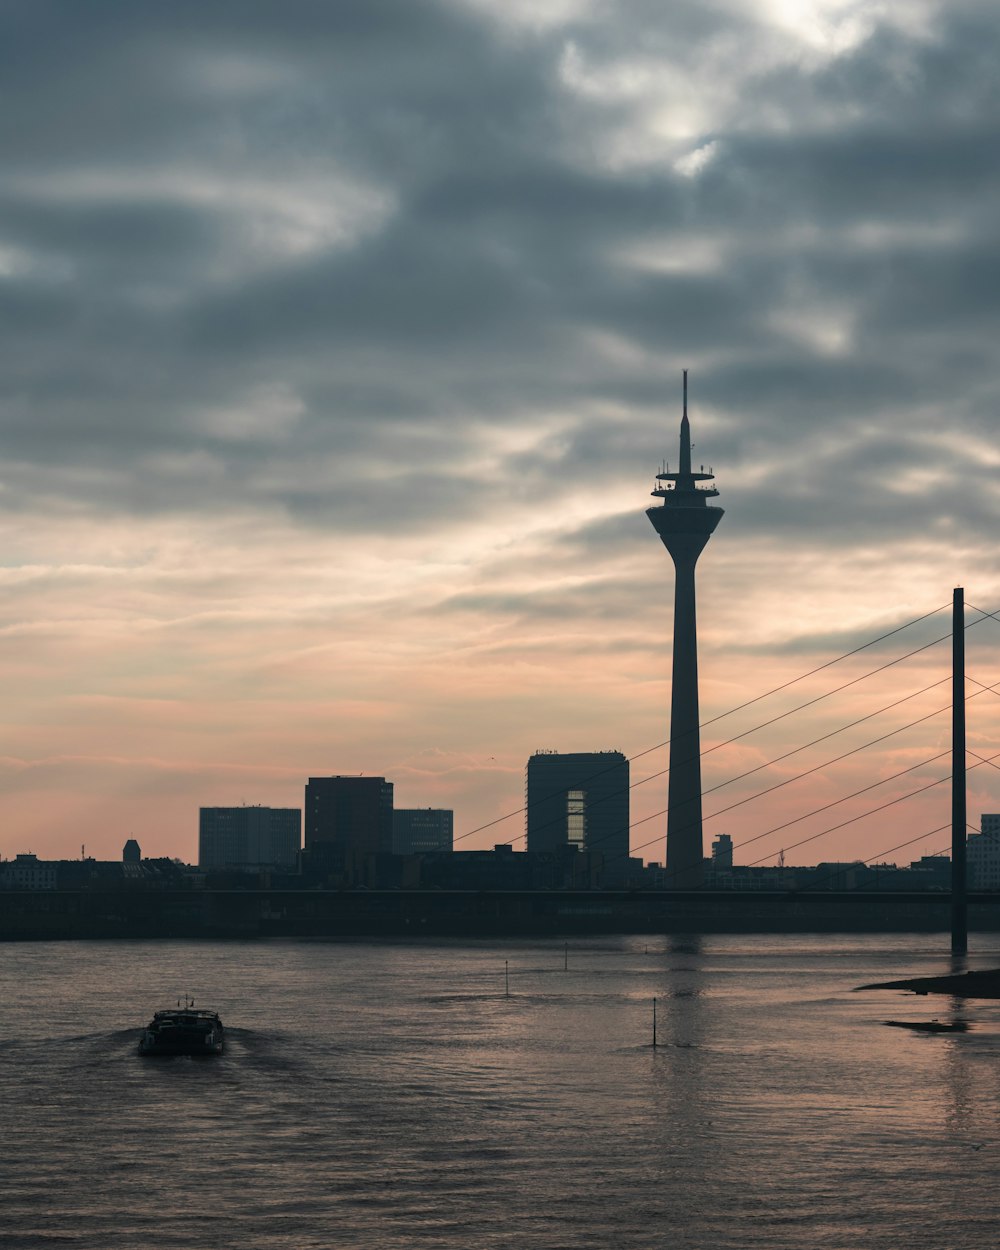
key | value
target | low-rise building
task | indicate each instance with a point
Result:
(27, 872)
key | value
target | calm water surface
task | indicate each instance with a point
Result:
(391, 1095)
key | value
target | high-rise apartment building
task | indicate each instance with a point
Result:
(581, 800)
(249, 837)
(417, 830)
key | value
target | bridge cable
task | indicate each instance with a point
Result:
(757, 699)
(741, 776)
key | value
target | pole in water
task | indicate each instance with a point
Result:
(654, 1020)
(506, 979)
(565, 956)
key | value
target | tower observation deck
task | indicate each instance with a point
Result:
(685, 521)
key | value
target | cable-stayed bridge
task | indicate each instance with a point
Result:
(861, 747)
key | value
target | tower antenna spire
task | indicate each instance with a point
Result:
(685, 465)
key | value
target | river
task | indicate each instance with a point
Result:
(391, 1094)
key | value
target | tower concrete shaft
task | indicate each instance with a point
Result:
(684, 521)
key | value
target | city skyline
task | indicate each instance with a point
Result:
(343, 346)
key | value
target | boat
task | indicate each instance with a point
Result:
(183, 1030)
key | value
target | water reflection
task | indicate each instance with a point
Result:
(960, 1107)
(686, 944)
(682, 1026)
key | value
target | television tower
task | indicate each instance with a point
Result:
(685, 521)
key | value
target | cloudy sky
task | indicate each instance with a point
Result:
(341, 342)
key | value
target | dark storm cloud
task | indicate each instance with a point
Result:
(404, 217)
(111, 239)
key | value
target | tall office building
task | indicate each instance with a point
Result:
(249, 837)
(684, 522)
(416, 830)
(580, 800)
(348, 814)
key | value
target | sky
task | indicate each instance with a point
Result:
(341, 343)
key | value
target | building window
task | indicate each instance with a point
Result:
(576, 819)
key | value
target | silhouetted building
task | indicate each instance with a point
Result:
(580, 800)
(931, 872)
(27, 872)
(503, 868)
(982, 854)
(348, 814)
(131, 852)
(837, 875)
(249, 837)
(684, 522)
(722, 852)
(417, 830)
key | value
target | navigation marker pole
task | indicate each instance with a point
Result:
(654, 1021)
(959, 902)
(506, 979)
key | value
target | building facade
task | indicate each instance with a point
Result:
(348, 815)
(421, 830)
(982, 854)
(249, 837)
(722, 853)
(580, 800)
(27, 872)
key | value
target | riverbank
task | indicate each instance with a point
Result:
(984, 984)
(247, 914)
